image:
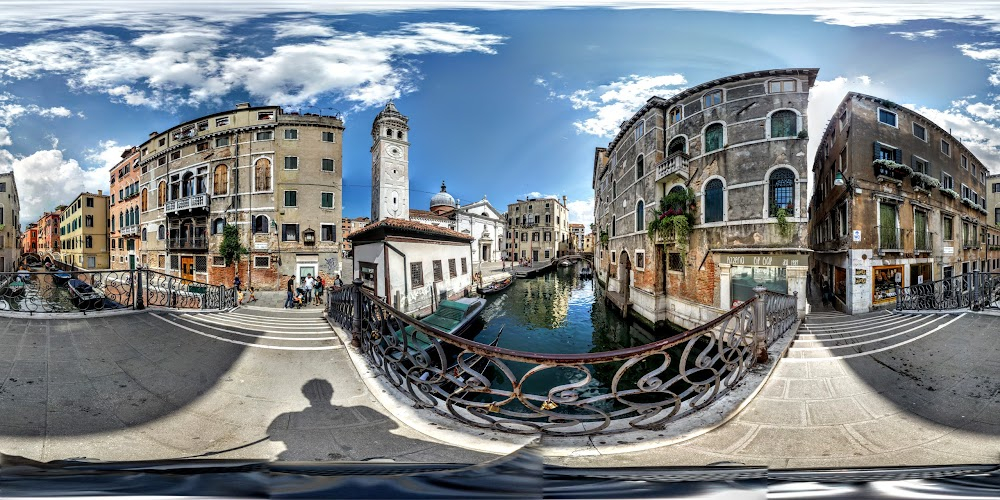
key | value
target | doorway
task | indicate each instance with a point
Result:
(187, 268)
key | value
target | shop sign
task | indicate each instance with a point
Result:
(776, 260)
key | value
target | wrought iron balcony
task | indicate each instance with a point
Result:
(129, 230)
(187, 244)
(187, 203)
(923, 241)
(675, 164)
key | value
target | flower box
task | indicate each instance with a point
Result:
(949, 193)
(891, 169)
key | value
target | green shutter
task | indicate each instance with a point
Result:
(875, 150)
(899, 155)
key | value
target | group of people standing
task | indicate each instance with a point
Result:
(310, 290)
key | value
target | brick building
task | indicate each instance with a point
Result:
(718, 172)
(29, 239)
(124, 205)
(274, 176)
(537, 229)
(83, 232)
(347, 226)
(48, 233)
(896, 197)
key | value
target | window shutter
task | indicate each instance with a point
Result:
(899, 155)
(875, 150)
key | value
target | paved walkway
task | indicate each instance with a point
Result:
(869, 390)
(253, 383)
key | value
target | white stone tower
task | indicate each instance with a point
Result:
(390, 165)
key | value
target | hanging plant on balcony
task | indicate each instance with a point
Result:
(968, 202)
(231, 249)
(890, 165)
(926, 180)
(949, 193)
(605, 239)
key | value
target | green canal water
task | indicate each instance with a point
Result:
(560, 313)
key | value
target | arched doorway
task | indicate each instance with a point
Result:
(624, 273)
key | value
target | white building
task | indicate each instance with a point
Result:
(10, 210)
(411, 265)
(480, 220)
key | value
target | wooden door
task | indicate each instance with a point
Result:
(187, 268)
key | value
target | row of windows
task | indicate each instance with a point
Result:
(290, 134)
(292, 201)
(891, 119)
(261, 224)
(417, 271)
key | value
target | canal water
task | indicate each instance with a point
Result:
(559, 312)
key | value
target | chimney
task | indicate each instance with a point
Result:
(100, 192)
(242, 105)
(564, 200)
(153, 134)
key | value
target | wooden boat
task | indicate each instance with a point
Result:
(61, 278)
(496, 286)
(83, 296)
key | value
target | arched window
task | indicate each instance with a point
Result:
(640, 216)
(187, 185)
(784, 123)
(260, 223)
(713, 201)
(677, 145)
(161, 232)
(262, 175)
(639, 167)
(121, 219)
(217, 225)
(713, 137)
(675, 115)
(161, 194)
(144, 200)
(135, 211)
(143, 234)
(782, 191)
(221, 181)
(399, 134)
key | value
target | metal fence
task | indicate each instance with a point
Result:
(520, 392)
(70, 289)
(975, 290)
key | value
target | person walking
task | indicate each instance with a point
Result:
(338, 283)
(236, 283)
(290, 301)
(318, 291)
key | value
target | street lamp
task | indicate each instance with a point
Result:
(838, 180)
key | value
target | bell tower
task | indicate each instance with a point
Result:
(390, 165)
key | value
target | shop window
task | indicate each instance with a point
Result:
(745, 278)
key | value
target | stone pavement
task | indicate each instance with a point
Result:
(253, 383)
(871, 390)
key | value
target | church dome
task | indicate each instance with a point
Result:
(442, 202)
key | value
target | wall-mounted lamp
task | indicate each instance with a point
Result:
(838, 180)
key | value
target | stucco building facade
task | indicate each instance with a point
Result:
(29, 239)
(48, 233)
(275, 176)
(479, 220)
(721, 168)
(83, 232)
(10, 210)
(910, 204)
(124, 211)
(537, 229)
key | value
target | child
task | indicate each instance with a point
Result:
(300, 298)
(239, 296)
(251, 298)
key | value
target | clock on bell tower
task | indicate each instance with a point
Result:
(390, 165)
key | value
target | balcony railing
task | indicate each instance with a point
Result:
(129, 231)
(922, 241)
(187, 203)
(675, 164)
(188, 243)
(888, 239)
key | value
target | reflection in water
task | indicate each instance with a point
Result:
(560, 313)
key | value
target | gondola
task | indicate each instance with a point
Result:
(83, 296)
(60, 279)
(496, 286)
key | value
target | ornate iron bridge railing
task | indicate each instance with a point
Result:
(520, 392)
(70, 289)
(975, 290)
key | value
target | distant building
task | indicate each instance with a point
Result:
(124, 208)
(83, 232)
(390, 165)
(719, 173)
(48, 234)
(537, 229)
(912, 206)
(588, 243)
(29, 239)
(10, 208)
(480, 220)
(577, 231)
(412, 265)
(347, 226)
(274, 176)
(993, 199)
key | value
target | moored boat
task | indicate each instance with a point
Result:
(496, 286)
(83, 296)
(61, 278)
(565, 263)
(15, 289)
(586, 273)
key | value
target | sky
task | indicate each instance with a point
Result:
(505, 99)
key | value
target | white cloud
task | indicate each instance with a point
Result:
(915, 35)
(986, 51)
(5, 137)
(302, 29)
(538, 195)
(613, 103)
(825, 96)
(107, 154)
(984, 111)
(190, 66)
(582, 212)
(45, 179)
(979, 135)
(10, 111)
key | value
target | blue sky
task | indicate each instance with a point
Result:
(501, 103)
